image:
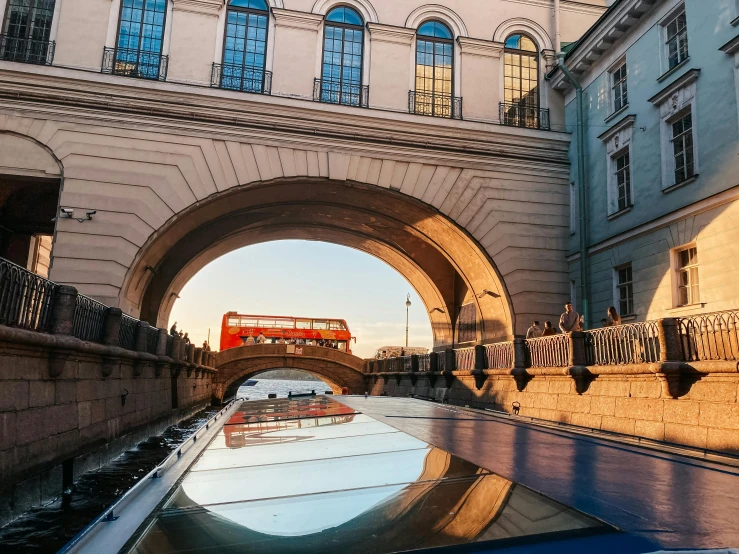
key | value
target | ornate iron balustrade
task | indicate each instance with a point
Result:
(551, 351)
(407, 363)
(232, 76)
(464, 358)
(436, 105)
(499, 355)
(26, 299)
(135, 63)
(89, 319)
(127, 332)
(395, 365)
(635, 343)
(441, 364)
(713, 336)
(152, 338)
(26, 50)
(424, 362)
(517, 115)
(347, 94)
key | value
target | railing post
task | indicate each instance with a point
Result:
(433, 361)
(450, 361)
(177, 348)
(520, 358)
(414, 363)
(62, 313)
(140, 344)
(670, 346)
(480, 361)
(578, 356)
(162, 343)
(113, 318)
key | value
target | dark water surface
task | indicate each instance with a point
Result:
(49, 528)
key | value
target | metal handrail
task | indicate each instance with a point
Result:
(634, 343)
(464, 358)
(424, 362)
(89, 319)
(337, 92)
(231, 76)
(26, 50)
(499, 355)
(127, 332)
(434, 104)
(712, 336)
(26, 299)
(132, 62)
(551, 351)
(514, 114)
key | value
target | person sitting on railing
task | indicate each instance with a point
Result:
(534, 331)
(548, 329)
(186, 339)
(249, 341)
(613, 318)
(261, 339)
(173, 330)
(569, 321)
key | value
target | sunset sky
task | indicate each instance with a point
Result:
(308, 279)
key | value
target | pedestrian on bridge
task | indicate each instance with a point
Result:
(534, 331)
(569, 321)
(173, 330)
(261, 339)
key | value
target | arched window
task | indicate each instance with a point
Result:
(138, 50)
(341, 73)
(245, 47)
(434, 94)
(25, 31)
(521, 85)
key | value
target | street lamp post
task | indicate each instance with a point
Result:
(407, 307)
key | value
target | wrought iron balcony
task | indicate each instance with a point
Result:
(436, 105)
(237, 77)
(135, 63)
(334, 92)
(26, 50)
(518, 115)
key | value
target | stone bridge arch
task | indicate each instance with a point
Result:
(235, 365)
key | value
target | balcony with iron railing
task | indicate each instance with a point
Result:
(521, 115)
(435, 105)
(231, 76)
(346, 94)
(135, 63)
(26, 50)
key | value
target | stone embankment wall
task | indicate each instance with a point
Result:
(631, 403)
(102, 401)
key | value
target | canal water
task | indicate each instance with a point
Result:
(47, 529)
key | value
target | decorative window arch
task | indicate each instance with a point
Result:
(364, 7)
(521, 100)
(343, 59)
(244, 57)
(434, 72)
(26, 31)
(139, 41)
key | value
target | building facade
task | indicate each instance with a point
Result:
(168, 132)
(661, 153)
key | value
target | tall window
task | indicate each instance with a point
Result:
(625, 290)
(682, 146)
(619, 88)
(623, 180)
(521, 83)
(687, 276)
(434, 72)
(245, 46)
(676, 32)
(25, 31)
(138, 51)
(343, 43)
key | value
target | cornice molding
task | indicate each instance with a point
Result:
(662, 96)
(207, 7)
(297, 20)
(391, 33)
(478, 47)
(565, 5)
(627, 121)
(731, 47)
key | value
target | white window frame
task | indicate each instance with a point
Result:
(617, 141)
(675, 268)
(617, 285)
(664, 37)
(674, 102)
(621, 63)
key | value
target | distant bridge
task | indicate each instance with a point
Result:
(235, 365)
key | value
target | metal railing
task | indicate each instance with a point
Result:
(441, 364)
(152, 338)
(26, 50)
(394, 365)
(347, 94)
(499, 355)
(634, 343)
(135, 63)
(551, 351)
(127, 332)
(89, 319)
(233, 76)
(436, 105)
(713, 336)
(464, 358)
(26, 299)
(519, 115)
(407, 364)
(424, 362)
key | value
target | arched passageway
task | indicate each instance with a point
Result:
(459, 285)
(235, 365)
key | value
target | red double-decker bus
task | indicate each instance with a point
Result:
(240, 330)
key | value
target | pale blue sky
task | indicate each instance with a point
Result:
(310, 279)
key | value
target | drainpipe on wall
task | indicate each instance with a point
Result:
(582, 187)
(557, 35)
